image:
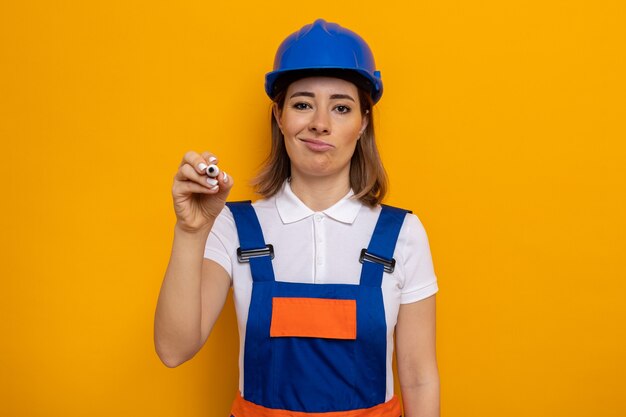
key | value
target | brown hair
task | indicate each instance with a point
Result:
(367, 174)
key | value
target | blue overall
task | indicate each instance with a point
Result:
(311, 374)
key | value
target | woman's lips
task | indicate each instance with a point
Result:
(317, 145)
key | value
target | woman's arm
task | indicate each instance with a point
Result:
(194, 289)
(417, 359)
(192, 296)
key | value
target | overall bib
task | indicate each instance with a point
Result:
(315, 348)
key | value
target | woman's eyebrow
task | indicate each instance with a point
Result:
(302, 93)
(332, 97)
(341, 96)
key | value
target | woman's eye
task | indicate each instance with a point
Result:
(343, 109)
(301, 106)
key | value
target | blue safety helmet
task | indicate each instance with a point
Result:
(324, 48)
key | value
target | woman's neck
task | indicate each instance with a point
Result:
(320, 193)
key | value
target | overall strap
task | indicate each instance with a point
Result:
(378, 257)
(252, 247)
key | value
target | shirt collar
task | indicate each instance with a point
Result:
(291, 209)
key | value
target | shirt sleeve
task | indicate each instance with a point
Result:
(221, 241)
(419, 280)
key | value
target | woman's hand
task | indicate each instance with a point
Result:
(198, 198)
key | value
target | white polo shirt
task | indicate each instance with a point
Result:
(324, 247)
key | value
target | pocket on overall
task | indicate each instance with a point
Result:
(313, 353)
(313, 317)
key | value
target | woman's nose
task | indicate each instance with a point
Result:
(320, 123)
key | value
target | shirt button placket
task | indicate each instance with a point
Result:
(320, 249)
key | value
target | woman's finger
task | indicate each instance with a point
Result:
(188, 156)
(225, 182)
(209, 158)
(191, 187)
(187, 173)
(197, 161)
(225, 179)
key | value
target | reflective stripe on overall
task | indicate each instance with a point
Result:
(315, 348)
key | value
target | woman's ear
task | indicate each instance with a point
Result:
(364, 122)
(277, 114)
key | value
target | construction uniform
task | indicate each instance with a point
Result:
(319, 339)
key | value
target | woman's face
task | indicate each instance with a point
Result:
(321, 121)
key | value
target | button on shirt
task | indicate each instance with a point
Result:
(324, 247)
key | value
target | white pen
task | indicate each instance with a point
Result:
(212, 171)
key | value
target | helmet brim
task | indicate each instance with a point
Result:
(277, 81)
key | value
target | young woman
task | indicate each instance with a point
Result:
(324, 277)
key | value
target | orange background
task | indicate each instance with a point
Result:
(501, 126)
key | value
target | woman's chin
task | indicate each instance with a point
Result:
(319, 171)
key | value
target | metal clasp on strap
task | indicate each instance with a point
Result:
(245, 255)
(388, 265)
